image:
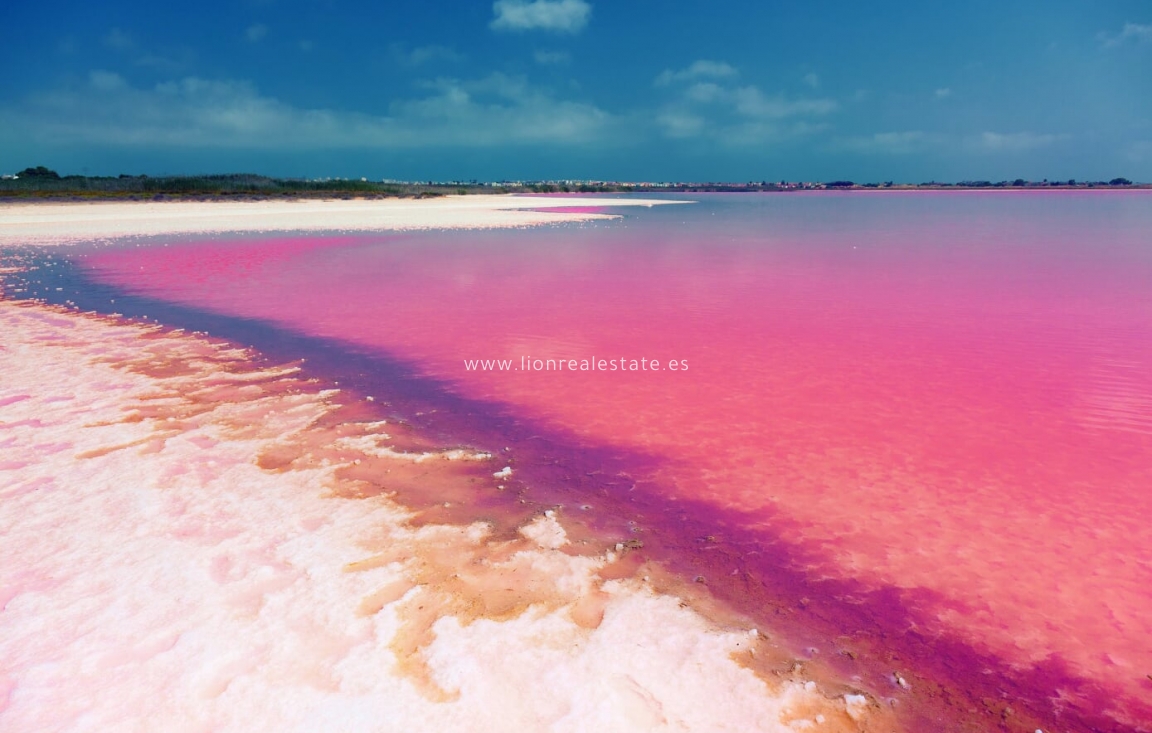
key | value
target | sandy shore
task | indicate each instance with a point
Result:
(65, 223)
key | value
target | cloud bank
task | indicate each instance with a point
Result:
(563, 16)
(702, 69)
(706, 103)
(202, 113)
(1131, 32)
(908, 142)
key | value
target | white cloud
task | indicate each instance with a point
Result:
(121, 41)
(564, 16)
(812, 80)
(424, 54)
(918, 141)
(256, 32)
(213, 114)
(162, 64)
(1012, 142)
(1134, 32)
(943, 93)
(747, 133)
(702, 69)
(550, 58)
(751, 102)
(905, 142)
(680, 123)
(707, 104)
(705, 92)
(117, 39)
(106, 81)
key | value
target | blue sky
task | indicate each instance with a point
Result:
(636, 90)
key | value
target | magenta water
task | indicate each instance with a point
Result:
(915, 422)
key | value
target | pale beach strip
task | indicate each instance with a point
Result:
(51, 222)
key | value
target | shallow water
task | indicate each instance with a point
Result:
(914, 429)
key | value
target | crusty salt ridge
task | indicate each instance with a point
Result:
(156, 576)
(69, 223)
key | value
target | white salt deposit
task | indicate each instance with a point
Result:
(66, 223)
(156, 577)
(372, 445)
(546, 532)
(856, 705)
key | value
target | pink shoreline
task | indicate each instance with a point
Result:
(182, 471)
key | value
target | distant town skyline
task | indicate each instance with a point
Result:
(579, 90)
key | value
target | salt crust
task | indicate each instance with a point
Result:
(156, 578)
(370, 445)
(50, 223)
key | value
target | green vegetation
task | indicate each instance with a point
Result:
(39, 173)
(40, 182)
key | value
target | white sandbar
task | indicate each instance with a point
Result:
(66, 223)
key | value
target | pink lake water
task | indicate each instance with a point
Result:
(916, 425)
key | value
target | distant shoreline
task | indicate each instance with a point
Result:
(80, 196)
(40, 183)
